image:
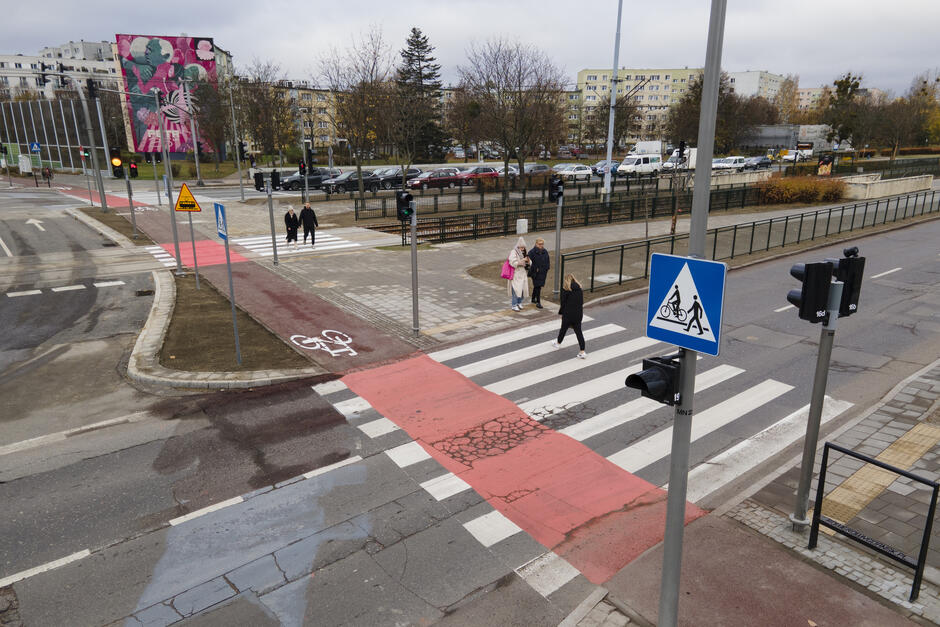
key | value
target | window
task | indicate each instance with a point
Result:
(682, 80)
(572, 117)
(590, 97)
(627, 77)
(640, 97)
(321, 98)
(321, 124)
(732, 79)
(592, 77)
(323, 138)
(34, 66)
(641, 77)
(307, 96)
(23, 82)
(666, 77)
(603, 77)
(572, 96)
(654, 97)
(18, 65)
(322, 110)
(654, 77)
(603, 87)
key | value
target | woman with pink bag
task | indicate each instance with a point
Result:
(518, 279)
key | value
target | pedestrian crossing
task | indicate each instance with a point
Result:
(325, 242)
(162, 256)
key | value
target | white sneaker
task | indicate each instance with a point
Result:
(554, 344)
(516, 308)
(582, 355)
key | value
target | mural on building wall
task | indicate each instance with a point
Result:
(153, 62)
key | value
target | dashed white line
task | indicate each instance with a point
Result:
(326, 469)
(5, 249)
(24, 293)
(108, 283)
(784, 308)
(491, 528)
(26, 574)
(61, 435)
(68, 288)
(352, 407)
(878, 276)
(205, 510)
(329, 387)
(445, 486)
(376, 428)
(407, 454)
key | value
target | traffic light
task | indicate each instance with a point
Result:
(242, 149)
(199, 148)
(259, 181)
(849, 270)
(681, 149)
(659, 380)
(92, 88)
(3, 149)
(403, 205)
(117, 165)
(813, 297)
(83, 152)
(302, 169)
(275, 180)
(556, 188)
(132, 169)
(43, 79)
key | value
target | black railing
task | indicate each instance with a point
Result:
(928, 165)
(607, 265)
(853, 534)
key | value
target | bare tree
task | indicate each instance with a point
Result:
(626, 120)
(212, 115)
(787, 98)
(463, 119)
(266, 115)
(520, 91)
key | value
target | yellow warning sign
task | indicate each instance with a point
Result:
(185, 201)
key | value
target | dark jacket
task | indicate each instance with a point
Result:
(309, 218)
(540, 266)
(292, 222)
(572, 304)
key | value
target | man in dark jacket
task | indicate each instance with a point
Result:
(308, 218)
(538, 270)
(292, 222)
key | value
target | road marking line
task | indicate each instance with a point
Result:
(352, 407)
(24, 293)
(5, 249)
(784, 308)
(323, 389)
(547, 573)
(407, 454)
(496, 340)
(878, 276)
(61, 435)
(68, 288)
(445, 486)
(376, 428)
(108, 283)
(206, 510)
(491, 528)
(325, 469)
(74, 557)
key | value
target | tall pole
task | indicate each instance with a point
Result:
(238, 159)
(192, 238)
(68, 142)
(613, 102)
(414, 267)
(231, 295)
(6, 135)
(130, 201)
(557, 283)
(103, 201)
(168, 176)
(682, 423)
(78, 135)
(267, 188)
(15, 130)
(826, 338)
(191, 110)
(303, 147)
(104, 137)
(156, 181)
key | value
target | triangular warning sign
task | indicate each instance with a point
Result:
(185, 201)
(682, 310)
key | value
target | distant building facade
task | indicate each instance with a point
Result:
(755, 83)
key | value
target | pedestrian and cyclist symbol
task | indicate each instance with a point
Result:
(685, 302)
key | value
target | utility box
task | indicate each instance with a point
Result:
(522, 226)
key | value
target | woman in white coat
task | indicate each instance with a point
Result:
(519, 283)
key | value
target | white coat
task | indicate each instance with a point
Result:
(520, 279)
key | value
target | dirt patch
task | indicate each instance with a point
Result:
(119, 223)
(200, 336)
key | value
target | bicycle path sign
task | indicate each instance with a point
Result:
(686, 301)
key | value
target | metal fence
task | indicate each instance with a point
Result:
(889, 168)
(613, 265)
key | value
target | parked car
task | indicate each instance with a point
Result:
(794, 156)
(315, 178)
(459, 153)
(349, 182)
(469, 176)
(441, 177)
(600, 168)
(573, 172)
(513, 171)
(391, 177)
(638, 165)
(735, 164)
(536, 168)
(757, 163)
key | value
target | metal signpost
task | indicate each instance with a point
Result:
(267, 189)
(130, 200)
(238, 159)
(186, 202)
(222, 227)
(414, 267)
(613, 104)
(156, 181)
(168, 182)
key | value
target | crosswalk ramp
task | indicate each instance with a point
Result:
(325, 242)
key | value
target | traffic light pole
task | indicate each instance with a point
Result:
(826, 338)
(94, 153)
(168, 177)
(414, 269)
(557, 283)
(130, 201)
(238, 158)
(613, 103)
(156, 181)
(267, 188)
(191, 110)
(104, 137)
(682, 424)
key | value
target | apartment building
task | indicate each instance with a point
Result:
(755, 83)
(20, 74)
(808, 97)
(315, 110)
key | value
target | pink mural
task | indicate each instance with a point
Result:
(154, 62)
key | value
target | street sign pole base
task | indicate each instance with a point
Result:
(799, 525)
(200, 183)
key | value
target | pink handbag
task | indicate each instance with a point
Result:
(508, 271)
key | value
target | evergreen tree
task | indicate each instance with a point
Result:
(419, 83)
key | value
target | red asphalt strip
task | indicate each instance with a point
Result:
(567, 497)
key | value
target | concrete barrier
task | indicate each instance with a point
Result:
(869, 186)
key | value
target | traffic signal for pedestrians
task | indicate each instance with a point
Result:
(117, 165)
(132, 169)
(91, 88)
(302, 169)
(556, 188)
(275, 180)
(681, 149)
(199, 148)
(83, 152)
(403, 205)
(659, 380)
(813, 296)
(849, 270)
(242, 149)
(43, 79)
(259, 181)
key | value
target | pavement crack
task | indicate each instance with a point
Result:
(278, 566)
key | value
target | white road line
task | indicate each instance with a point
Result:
(336, 385)
(108, 283)
(723, 468)
(26, 574)
(495, 340)
(639, 407)
(206, 510)
(568, 366)
(24, 293)
(313, 249)
(491, 528)
(547, 573)
(68, 288)
(407, 454)
(61, 435)
(325, 469)
(784, 308)
(514, 357)
(352, 407)
(656, 446)
(5, 249)
(380, 427)
(445, 486)
(262, 239)
(878, 276)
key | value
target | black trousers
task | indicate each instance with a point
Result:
(565, 325)
(291, 235)
(312, 232)
(537, 294)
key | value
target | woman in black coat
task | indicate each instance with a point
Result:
(292, 222)
(538, 270)
(571, 312)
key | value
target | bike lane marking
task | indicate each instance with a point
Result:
(575, 502)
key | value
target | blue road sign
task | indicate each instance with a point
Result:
(686, 300)
(220, 223)
(34, 147)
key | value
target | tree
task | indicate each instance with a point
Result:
(266, 115)
(463, 119)
(418, 80)
(113, 115)
(213, 115)
(626, 120)
(520, 92)
(787, 98)
(842, 110)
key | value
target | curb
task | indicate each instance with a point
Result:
(102, 229)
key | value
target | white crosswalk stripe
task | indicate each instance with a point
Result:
(496, 340)
(161, 255)
(262, 245)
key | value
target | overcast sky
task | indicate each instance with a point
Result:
(889, 43)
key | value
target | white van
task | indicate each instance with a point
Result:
(638, 165)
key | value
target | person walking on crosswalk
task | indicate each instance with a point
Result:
(308, 218)
(571, 312)
(292, 222)
(519, 283)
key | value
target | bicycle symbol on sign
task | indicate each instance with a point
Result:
(328, 338)
(674, 311)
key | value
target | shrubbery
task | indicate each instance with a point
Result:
(808, 189)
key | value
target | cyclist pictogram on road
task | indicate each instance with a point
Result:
(333, 342)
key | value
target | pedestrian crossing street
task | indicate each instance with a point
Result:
(587, 401)
(326, 242)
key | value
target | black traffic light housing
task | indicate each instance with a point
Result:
(259, 181)
(812, 298)
(403, 205)
(681, 149)
(659, 380)
(556, 188)
(132, 169)
(849, 270)
(242, 149)
(302, 169)
(117, 165)
(43, 79)
(92, 88)
(275, 180)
